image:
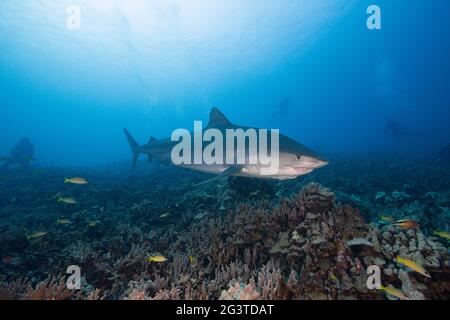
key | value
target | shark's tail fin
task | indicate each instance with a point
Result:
(133, 145)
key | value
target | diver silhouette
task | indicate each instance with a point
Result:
(21, 155)
(444, 154)
(397, 130)
(283, 108)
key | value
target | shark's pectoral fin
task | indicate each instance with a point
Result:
(226, 173)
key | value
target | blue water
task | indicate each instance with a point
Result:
(154, 66)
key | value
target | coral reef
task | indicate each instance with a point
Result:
(238, 239)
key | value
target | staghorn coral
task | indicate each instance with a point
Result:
(95, 295)
(239, 291)
(300, 248)
(319, 251)
(172, 294)
(51, 289)
(13, 290)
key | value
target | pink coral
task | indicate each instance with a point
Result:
(240, 292)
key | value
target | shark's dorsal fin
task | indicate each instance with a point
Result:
(152, 139)
(217, 118)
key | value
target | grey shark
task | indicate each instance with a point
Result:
(294, 159)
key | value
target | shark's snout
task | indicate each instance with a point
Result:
(312, 162)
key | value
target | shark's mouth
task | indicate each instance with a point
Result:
(294, 171)
(303, 170)
(307, 162)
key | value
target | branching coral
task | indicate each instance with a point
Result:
(306, 247)
(239, 291)
(51, 289)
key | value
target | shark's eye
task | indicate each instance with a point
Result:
(299, 157)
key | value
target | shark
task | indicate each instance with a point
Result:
(294, 160)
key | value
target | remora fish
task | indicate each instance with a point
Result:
(294, 159)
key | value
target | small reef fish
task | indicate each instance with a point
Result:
(157, 258)
(164, 215)
(92, 224)
(63, 221)
(391, 291)
(67, 200)
(413, 266)
(407, 224)
(76, 180)
(192, 259)
(334, 278)
(442, 234)
(37, 234)
(387, 219)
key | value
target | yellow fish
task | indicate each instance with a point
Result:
(407, 224)
(334, 278)
(442, 234)
(192, 259)
(157, 258)
(92, 224)
(37, 234)
(76, 180)
(67, 200)
(387, 219)
(63, 221)
(394, 292)
(164, 215)
(413, 266)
